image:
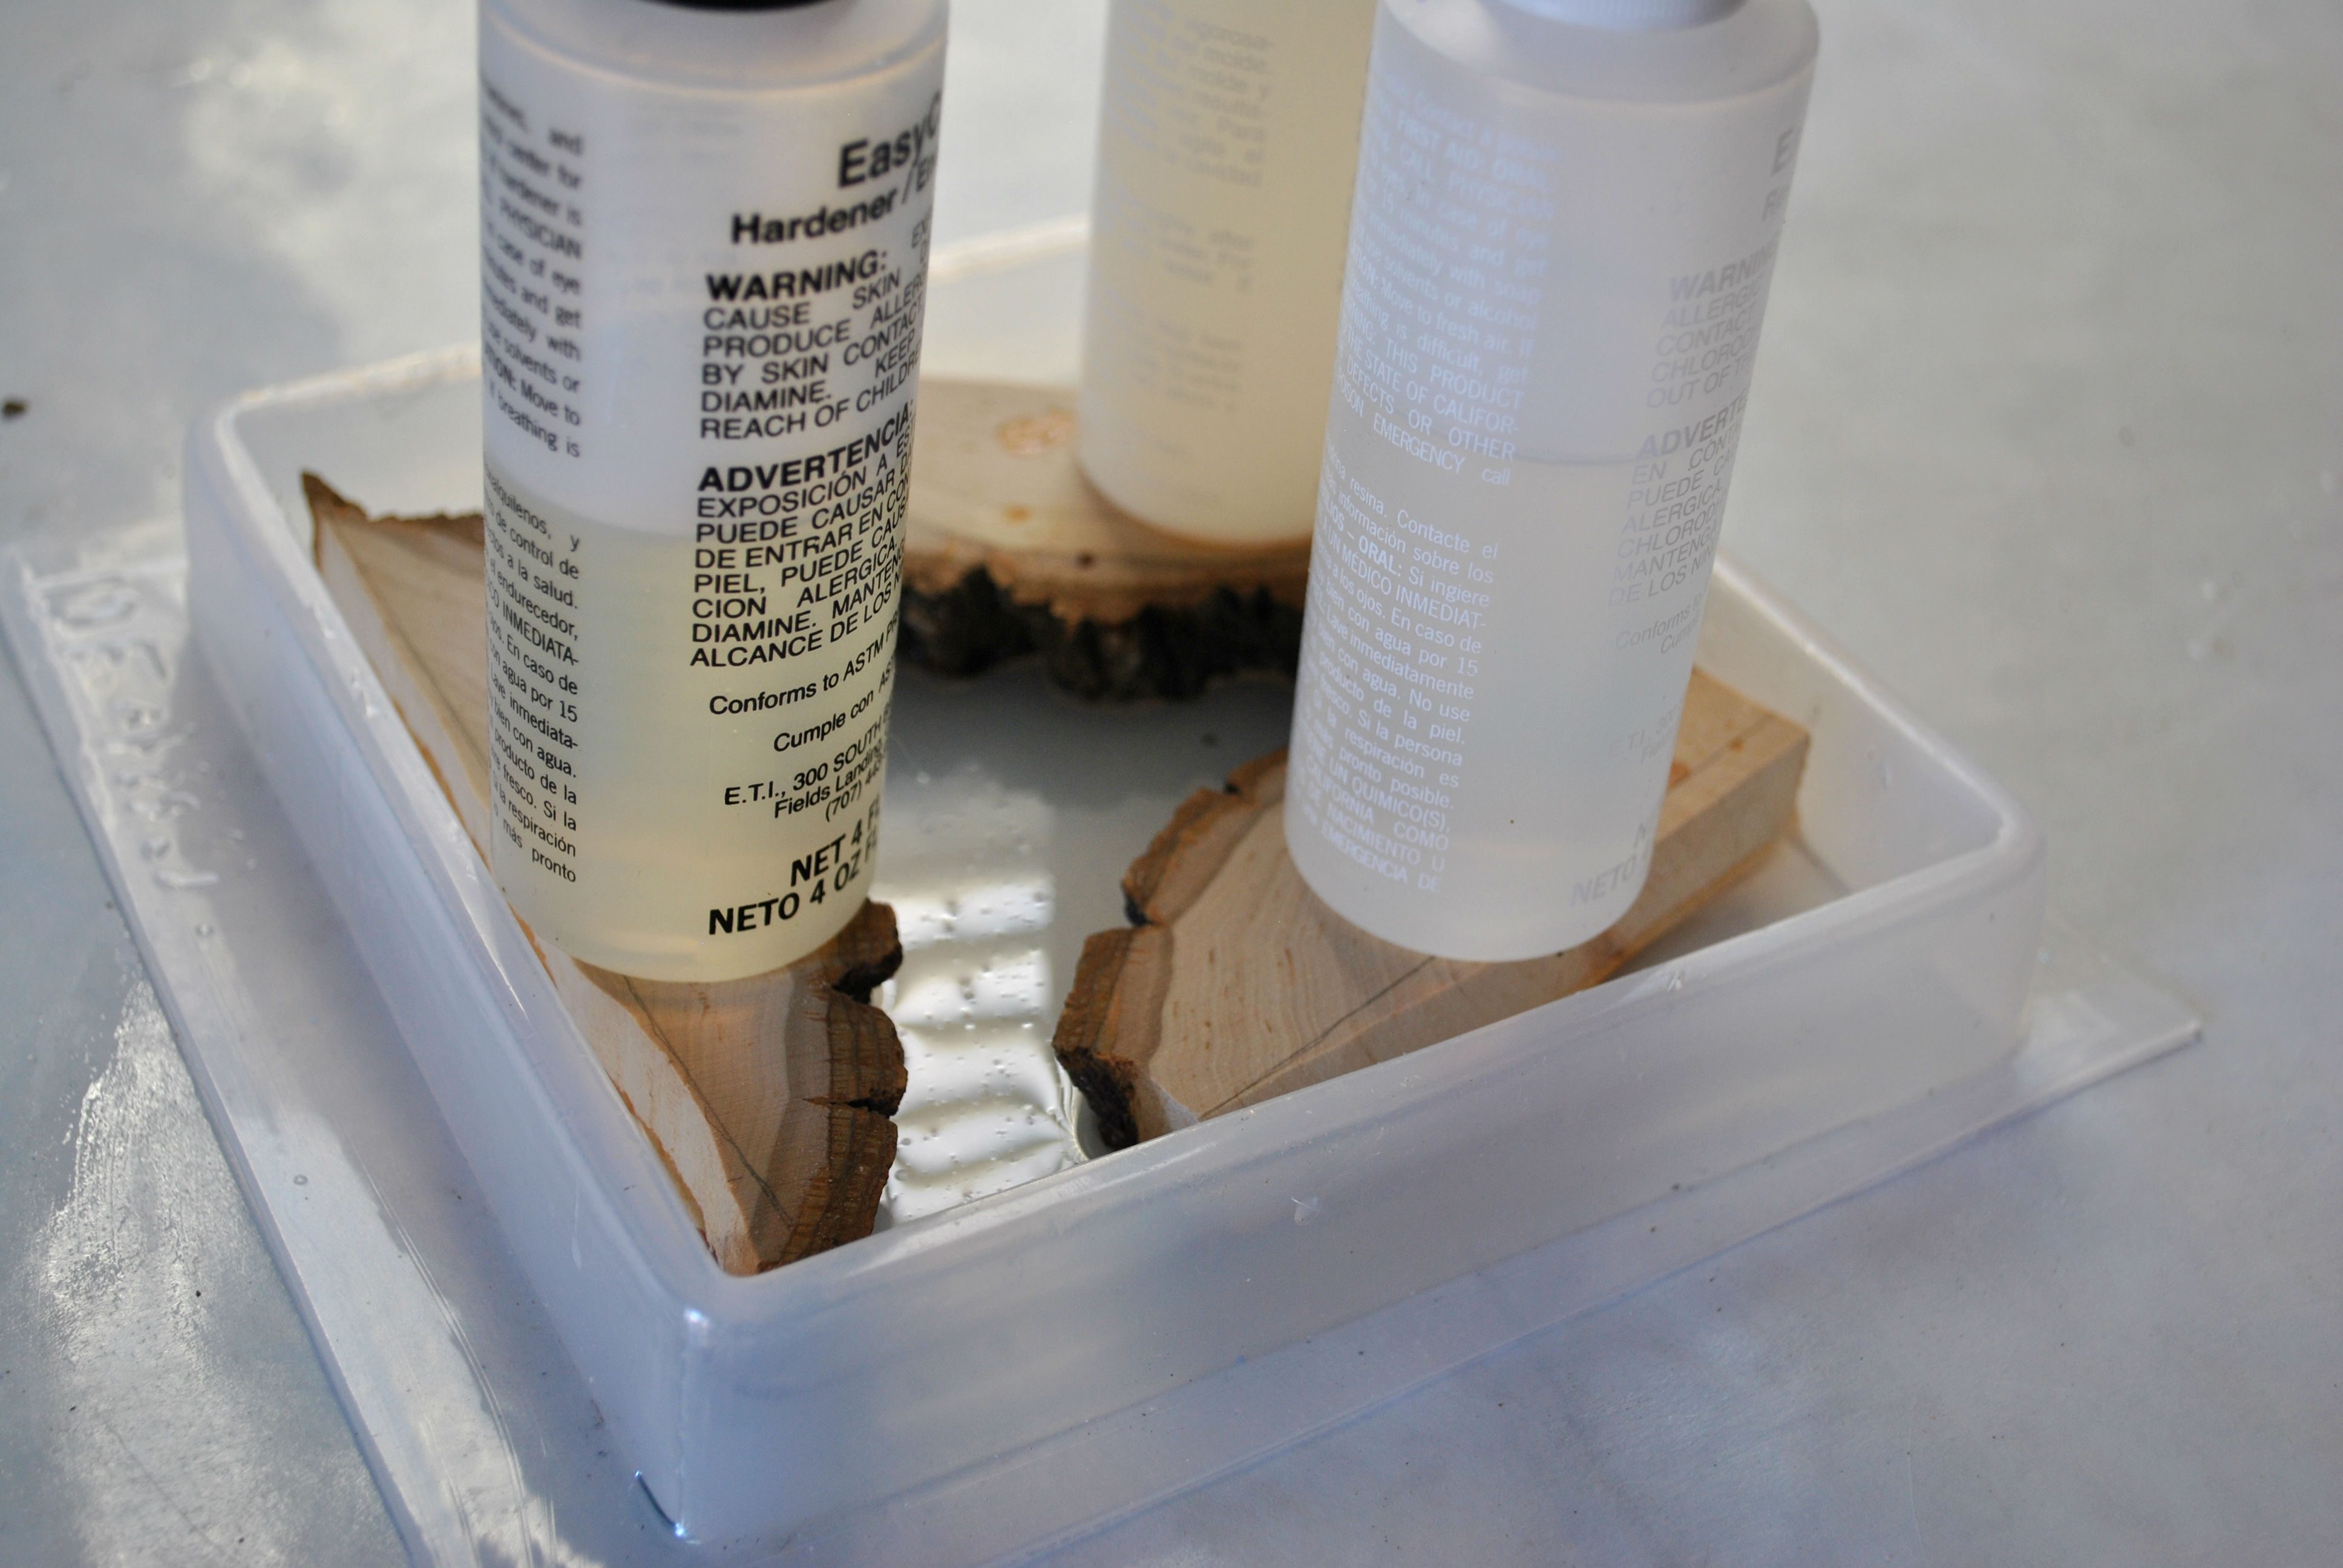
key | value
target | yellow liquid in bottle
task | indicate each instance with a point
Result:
(1227, 148)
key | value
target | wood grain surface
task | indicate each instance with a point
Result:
(1233, 982)
(768, 1098)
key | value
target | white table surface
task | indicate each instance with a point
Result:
(2048, 430)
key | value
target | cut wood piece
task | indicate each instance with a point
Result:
(1010, 550)
(1234, 983)
(769, 1099)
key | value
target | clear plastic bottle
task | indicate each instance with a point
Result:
(1561, 245)
(704, 240)
(1227, 142)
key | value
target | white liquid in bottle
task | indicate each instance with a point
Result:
(1227, 144)
(1561, 245)
(704, 237)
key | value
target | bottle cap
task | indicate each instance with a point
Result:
(1629, 15)
(740, 5)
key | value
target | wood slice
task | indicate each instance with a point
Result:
(1233, 983)
(1010, 550)
(768, 1098)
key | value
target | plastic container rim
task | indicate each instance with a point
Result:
(690, 1278)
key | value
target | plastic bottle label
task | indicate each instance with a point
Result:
(1227, 139)
(1550, 311)
(699, 344)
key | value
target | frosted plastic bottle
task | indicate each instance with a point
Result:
(1227, 142)
(1561, 245)
(703, 241)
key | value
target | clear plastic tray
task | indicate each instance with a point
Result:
(982, 1379)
